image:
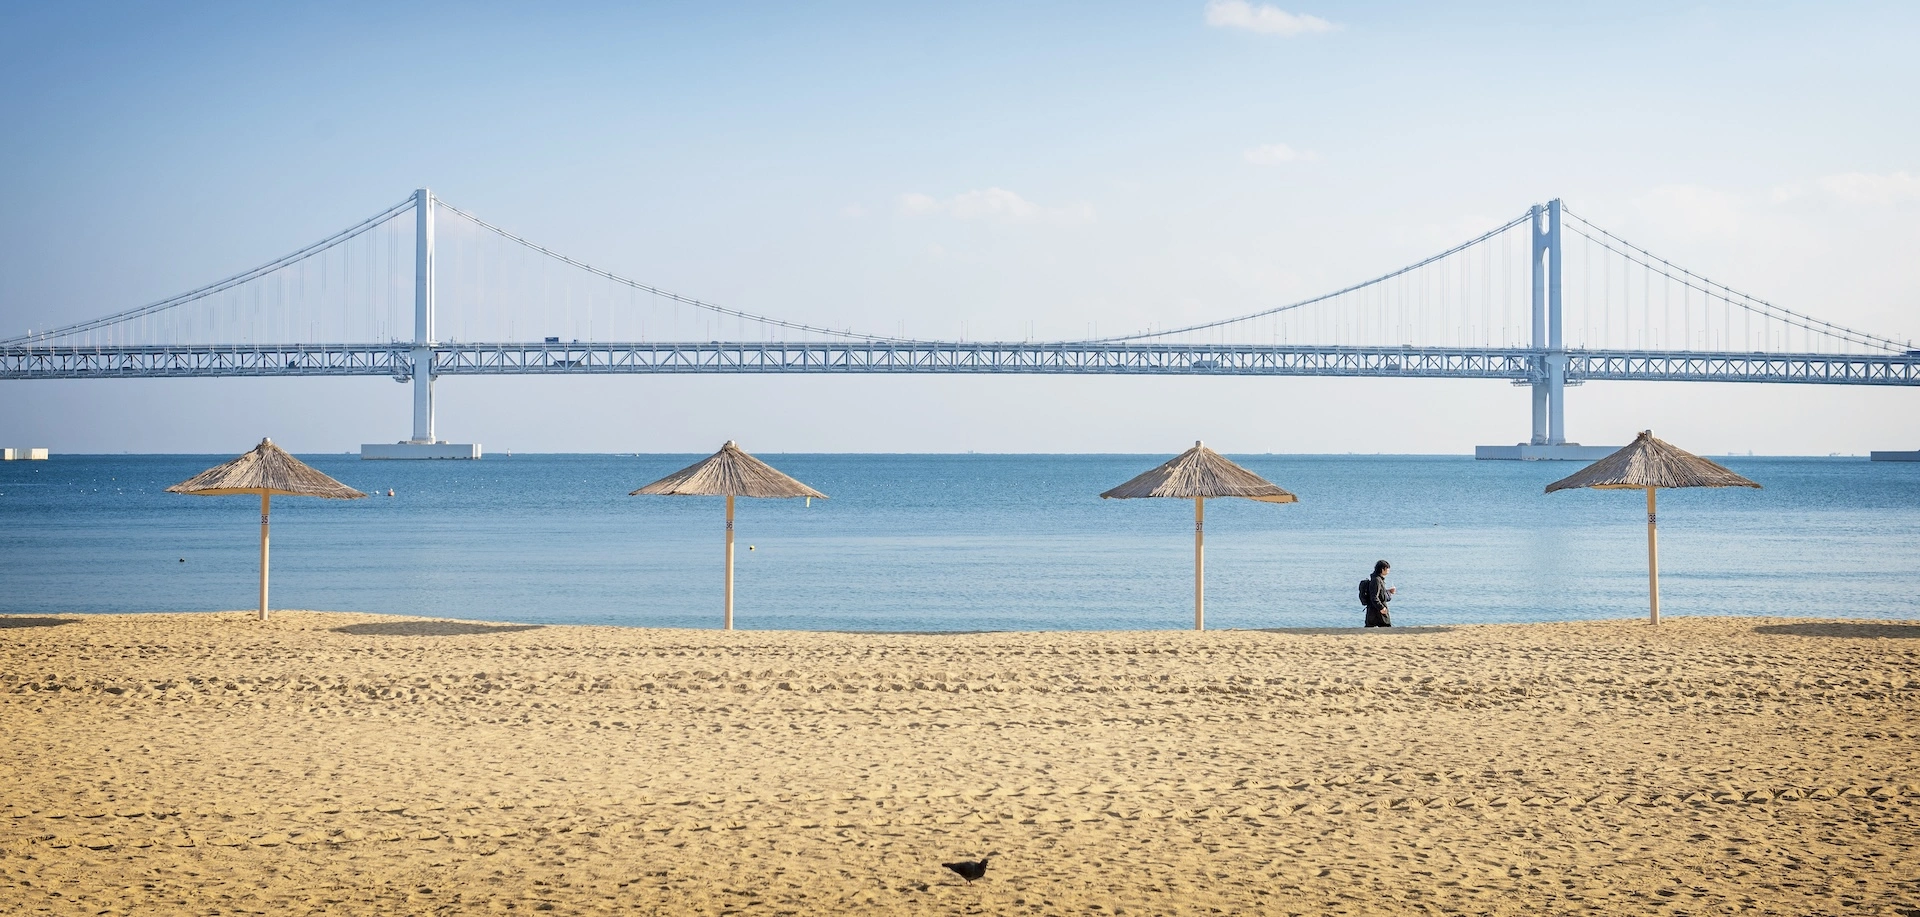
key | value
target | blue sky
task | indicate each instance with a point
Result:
(1004, 167)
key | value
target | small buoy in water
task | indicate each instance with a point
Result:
(389, 491)
(183, 560)
(749, 547)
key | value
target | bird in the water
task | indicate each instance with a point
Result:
(970, 870)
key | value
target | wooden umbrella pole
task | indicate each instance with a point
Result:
(729, 561)
(264, 497)
(1199, 563)
(1653, 563)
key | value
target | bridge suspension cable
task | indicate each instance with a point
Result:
(1666, 269)
(356, 287)
(218, 286)
(1289, 307)
(666, 294)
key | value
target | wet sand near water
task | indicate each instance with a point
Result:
(327, 763)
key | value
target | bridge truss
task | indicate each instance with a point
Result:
(1499, 306)
(1518, 365)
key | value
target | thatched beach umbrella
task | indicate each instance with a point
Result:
(730, 472)
(1197, 474)
(1649, 464)
(266, 471)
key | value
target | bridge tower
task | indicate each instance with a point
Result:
(1549, 384)
(422, 445)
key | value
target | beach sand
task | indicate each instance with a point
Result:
(354, 764)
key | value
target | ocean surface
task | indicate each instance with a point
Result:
(961, 542)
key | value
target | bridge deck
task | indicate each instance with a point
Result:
(1520, 365)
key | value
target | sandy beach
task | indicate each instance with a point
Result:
(332, 763)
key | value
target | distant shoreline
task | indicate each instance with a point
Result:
(503, 456)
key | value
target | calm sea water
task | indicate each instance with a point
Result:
(961, 542)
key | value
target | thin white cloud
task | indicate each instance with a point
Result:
(1787, 193)
(1277, 154)
(918, 203)
(1697, 211)
(1267, 20)
(1868, 188)
(994, 204)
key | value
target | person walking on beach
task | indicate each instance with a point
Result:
(1375, 594)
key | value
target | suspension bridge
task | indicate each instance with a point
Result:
(1510, 304)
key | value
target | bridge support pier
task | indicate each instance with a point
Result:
(422, 395)
(422, 445)
(1542, 408)
(1549, 441)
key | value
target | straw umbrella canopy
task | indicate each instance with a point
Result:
(1648, 464)
(266, 471)
(1197, 474)
(731, 472)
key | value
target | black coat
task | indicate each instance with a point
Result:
(1380, 594)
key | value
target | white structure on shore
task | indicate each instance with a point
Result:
(32, 453)
(414, 449)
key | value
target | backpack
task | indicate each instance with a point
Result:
(1366, 592)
